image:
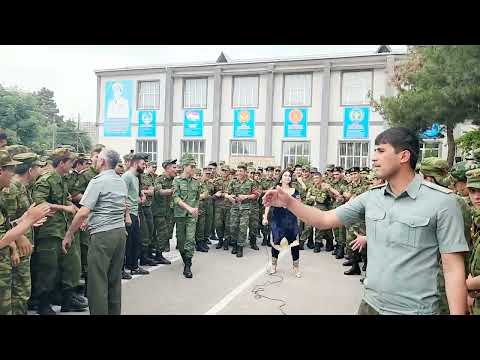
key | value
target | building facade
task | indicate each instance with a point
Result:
(314, 109)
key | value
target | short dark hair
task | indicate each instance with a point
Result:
(22, 168)
(57, 161)
(401, 139)
(79, 161)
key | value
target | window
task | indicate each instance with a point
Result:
(353, 154)
(149, 147)
(355, 87)
(245, 91)
(195, 93)
(294, 151)
(148, 95)
(243, 148)
(430, 149)
(297, 90)
(197, 149)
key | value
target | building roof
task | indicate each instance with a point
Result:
(230, 62)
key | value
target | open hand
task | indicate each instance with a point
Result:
(36, 213)
(24, 246)
(276, 197)
(359, 243)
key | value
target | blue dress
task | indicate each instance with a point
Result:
(284, 223)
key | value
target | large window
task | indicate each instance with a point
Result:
(243, 148)
(353, 154)
(297, 90)
(149, 147)
(355, 87)
(195, 93)
(430, 149)
(148, 95)
(245, 91)
(294, 151)
(197, 149)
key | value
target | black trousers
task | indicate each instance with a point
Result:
(134, 245)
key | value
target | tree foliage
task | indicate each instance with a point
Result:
(469, 141)
(435, 84)
(33, 119)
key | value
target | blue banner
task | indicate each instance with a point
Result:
(355, 123)
(193, 123)
(295, 124)
(244, 123)
(118, 108)
(433, 132)
(147, 124)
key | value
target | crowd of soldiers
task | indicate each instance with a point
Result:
(218, 203)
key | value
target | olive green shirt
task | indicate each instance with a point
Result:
(162, 204)
(187, 190)
(237, 187)
(146, 181)
(406, 235)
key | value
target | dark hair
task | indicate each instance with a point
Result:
(401, 139)
(56, 162)
(316, 173)
(79, 161)
(279, 181)
(22, 168)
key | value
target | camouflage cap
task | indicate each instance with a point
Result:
(225, 167)
(68, 147)
(29, 158)
(188, 159)
(152, 164)
(6, 160)
(83, 156)
(434, 167)
(330, 167)
(251, 169)
(212, 163)
(314, 169)
(127, 157)
(16, 149)
(169, 162)
(98, 148)
(198, 172)
(459, 170)
(61, 153)
(269, 168)
(473, 179)
(221, 163)
(242, 166)
(354, 169)
(306, 167)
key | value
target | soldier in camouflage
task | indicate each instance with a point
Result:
(340, 185)
(200, 233)
(266, 183)
(253, 224)
(146, 226)
(222, 207)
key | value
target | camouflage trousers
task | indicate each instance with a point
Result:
(340, 235)
(359, 229)
(253, 224)
(146, 226)
(200, 232)
(84, 242)
(5, 282)
(164, 226)
(209, 219)
(186, 227)
(21, 286)
(239, 218)
(222, 221)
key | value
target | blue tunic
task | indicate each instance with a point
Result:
(284, 223)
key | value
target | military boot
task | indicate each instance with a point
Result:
(225, 244)
(71, 303)
(234, 249)
(340, 252)
(239, 251)
(220, 244)
(253, 245)
(264, 241)
(329, 245)
(187, 272)
(146, 260)
(317, 247)
(44, 307)
(199, 246)
(364, 267)
(310, 244)
(268, 240)
(204, 245)
(302, 245)
(348, 262)
(335, 250)
(354, 270)
(160, 259)
(208, 242)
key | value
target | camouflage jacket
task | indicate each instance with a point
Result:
(147, 180)
(82, 180)
(188, 190)
(4, 221)
(52, 188)
(162, 205)
(17, 201)
(318, 197)
(341, 187)
(246, 187)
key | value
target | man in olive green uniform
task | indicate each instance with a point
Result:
(18, 200)
(435, 170)
(200, 233)
(254, 212)
(8, 252)
(48, 261)
(240, 193)
(320, 198)
(222, 207)
(145, 211)
(186, 197)
(266, 183)
(162, 209)
(302, 183)
(76, 195)
(339, 184)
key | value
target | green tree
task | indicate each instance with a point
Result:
(436, 84)
(469, 141)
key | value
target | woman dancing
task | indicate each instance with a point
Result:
(284, 225)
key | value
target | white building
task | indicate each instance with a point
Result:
(244, 107)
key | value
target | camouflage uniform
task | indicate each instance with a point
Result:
(355, 189)
(5, 263)
(240, 211)
(301, 225)
(187, 190)
(209, 212)
(253, 216)
(162, 210)
(265, 185)
(340, 233)
(473, 182)
(222, 209)
(145, 211)
(200, 233)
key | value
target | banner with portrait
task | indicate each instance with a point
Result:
(118, 108)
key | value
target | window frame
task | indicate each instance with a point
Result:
(183, 93)
(310, 100)
(356, 71)
(153, 141)
(431, 142)
(199, 163)
(257, 100)
(253, 141)
(139, 82)
(284, 142)
(340, 142)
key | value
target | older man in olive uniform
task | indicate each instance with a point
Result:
(48, 261)
(162, 209)
(18, 200)
(240, 192)
(186, 197)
